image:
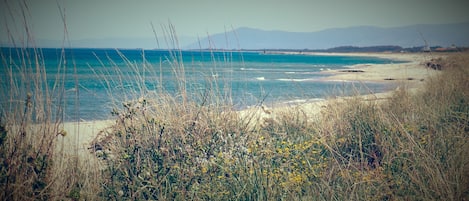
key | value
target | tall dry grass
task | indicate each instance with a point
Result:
(35, 163)
(194, 146)
(411, 146)
(31, 122)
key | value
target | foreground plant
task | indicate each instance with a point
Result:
(407, 147)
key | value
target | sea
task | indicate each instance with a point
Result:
(94, 81)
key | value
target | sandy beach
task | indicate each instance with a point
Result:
(413, 72)
(81, 134)
(409, 70)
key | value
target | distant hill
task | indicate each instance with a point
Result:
(407, 36)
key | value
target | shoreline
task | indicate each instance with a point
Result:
(412, 73)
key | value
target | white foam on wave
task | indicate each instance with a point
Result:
(299, 101)
(248, 69)
(260, 78)
(296, 101)
(295, 80)
(73, 89)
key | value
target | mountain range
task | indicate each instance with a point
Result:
(444, 35)
(406, 36)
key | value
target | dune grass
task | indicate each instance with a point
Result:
(30, 124)
(182, 146)
(412, 146)
(165, 146)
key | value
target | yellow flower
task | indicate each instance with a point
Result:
(204, 170)
(284, 184)
(341, 140)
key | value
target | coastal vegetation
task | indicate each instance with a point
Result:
(163, 146)
(411, 145)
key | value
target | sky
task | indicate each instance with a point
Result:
(104, 19)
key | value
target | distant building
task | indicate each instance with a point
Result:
(426, 48)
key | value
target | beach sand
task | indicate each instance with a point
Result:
(81, 134)
(412, 73)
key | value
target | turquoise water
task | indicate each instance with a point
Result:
(100, 79)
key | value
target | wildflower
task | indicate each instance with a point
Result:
(341, 140)
(279, 151)
(284, 184)
(296, 178)
(204, 170)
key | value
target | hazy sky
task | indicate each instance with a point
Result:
(131, 18)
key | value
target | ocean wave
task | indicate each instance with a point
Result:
(73, 89)
(248, 69)
(260, 78)
(295, 80)
(298, 101)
